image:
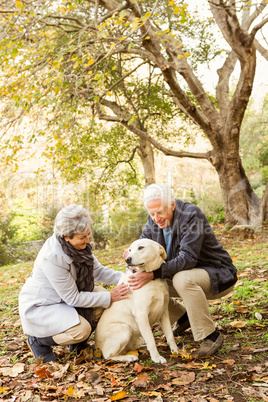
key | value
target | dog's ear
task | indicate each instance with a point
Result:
(162, 252)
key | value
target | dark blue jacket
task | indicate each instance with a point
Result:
(194, 245)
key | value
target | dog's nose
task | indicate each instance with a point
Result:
(128, 260)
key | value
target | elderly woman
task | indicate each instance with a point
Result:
(59, 303)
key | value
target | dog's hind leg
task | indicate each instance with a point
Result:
(117, 343)
(167, 329)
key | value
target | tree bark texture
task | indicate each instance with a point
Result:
(146, 154)
(265, 205)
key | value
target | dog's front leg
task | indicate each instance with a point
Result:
(167, 329)
(147, 334)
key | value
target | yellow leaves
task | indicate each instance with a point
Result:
(89, 63)
(19, 4)
(118, 396)
(3, 390)
(133, 118)
(206, 366)
(177, 10)
(146, 16)
(56, 63)
(181, 56)
(138, 22)
(171, 3)
(70, 391)
(135, 24)
(182, 354)
(133, 352)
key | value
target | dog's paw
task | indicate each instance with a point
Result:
(159, 359)
(124, 358)
(174, 351)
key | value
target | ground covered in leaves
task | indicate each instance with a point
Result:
(237, 373)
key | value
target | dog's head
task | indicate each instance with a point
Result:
(146, 254)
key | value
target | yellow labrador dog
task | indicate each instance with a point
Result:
(123, 325)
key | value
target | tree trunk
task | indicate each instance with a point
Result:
(146, 154)
(265, 204)
(241, 204)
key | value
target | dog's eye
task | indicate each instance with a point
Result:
(140, 248)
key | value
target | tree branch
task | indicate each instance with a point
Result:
(259, 26)
(222, 88)
(123, 119)
(261, 49)
(248, 21)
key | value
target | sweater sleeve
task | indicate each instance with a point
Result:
(104, 274)
(58, 274)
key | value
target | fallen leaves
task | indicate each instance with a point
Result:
(118, 396)
(42, 372)
(230, 362)
(238, 324)
(140, 368)
(185, 377)
(142, 381)
(13, 371)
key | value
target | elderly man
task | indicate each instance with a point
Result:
(197, 267)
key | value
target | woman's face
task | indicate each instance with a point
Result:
(79, 241)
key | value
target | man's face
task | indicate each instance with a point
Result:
(79, 241)
(160, 213)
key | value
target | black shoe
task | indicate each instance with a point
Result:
(41, 347)
(78, 347)
(178, 329)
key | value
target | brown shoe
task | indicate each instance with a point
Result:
(209, 347)
(179, 329)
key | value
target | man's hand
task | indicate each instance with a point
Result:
(119, 292)
(136, 281)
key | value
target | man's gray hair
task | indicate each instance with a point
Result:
(158, 191)
(71, 220)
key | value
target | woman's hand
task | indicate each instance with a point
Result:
(126, 253)
(119, 292)
(140, 279)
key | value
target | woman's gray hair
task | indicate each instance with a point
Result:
(158, 191)
(71, 220)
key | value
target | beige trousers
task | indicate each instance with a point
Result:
(81, 331)
(194, 288)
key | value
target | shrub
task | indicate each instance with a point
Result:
(121, 227)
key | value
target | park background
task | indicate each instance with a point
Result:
(88, 117)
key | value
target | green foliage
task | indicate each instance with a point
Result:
(123, 226)
(27, 220)
(7, 228)
(218, 215)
